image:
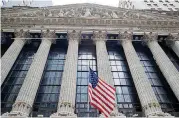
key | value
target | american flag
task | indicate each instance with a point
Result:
(101, 94)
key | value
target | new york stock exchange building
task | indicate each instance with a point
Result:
(46, 54)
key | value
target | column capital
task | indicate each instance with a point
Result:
(99, 35)
(173, 37)
(74, 35)
(21, 33)
(148, 37)
(50, 35)
(125, 36)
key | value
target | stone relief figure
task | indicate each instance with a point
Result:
(114, 15)
(97, 15)
(125, 14)
(39, 13)
(61, 13)
(50, 13)
(45, 12)
(87, 13)
(66, 12)
(78, 12)
(106, 15)
(72, 13)
(136, 16)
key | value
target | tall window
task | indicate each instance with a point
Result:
(161, 88)
(6, 41)
(86, 57)
(48, 93)
(127, 99)
(14, 80)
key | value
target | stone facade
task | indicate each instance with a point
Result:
(100, 21)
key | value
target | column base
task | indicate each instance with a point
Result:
(114, 114)
(159, 114)
(19, 109)
(66, 109)
(102, 116)
(14, 114)
(63, 115)
(161, 117)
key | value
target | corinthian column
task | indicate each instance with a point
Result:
(12, 53)
(145, 92)
(166, 66)
(103, 64)
(26, 96)
(173, 43)
(66, 104)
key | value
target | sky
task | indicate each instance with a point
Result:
(102, 2)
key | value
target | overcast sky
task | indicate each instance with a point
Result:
(102, 2)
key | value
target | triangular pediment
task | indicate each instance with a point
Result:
(85, 10)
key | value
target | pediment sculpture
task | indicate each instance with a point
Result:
(86, 11)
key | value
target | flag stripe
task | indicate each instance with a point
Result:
(101, 94)
(106, 91)
(90, 91)
(97, 106)
(103, 100)
(111, 89)
(101, 104)
(104, 95)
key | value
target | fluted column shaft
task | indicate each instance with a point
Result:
(144, 89)
(173, 43)
(175, 47)
(145, 92)
(66, 104)
(166, 66)
(10, 57)
(103, 64)
(26, 96)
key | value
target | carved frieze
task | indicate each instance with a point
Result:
(11, 21)
(86, 11)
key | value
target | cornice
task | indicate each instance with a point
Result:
(32, 21)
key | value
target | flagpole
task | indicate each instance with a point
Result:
(88, 84)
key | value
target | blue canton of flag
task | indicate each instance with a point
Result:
(93, 78)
